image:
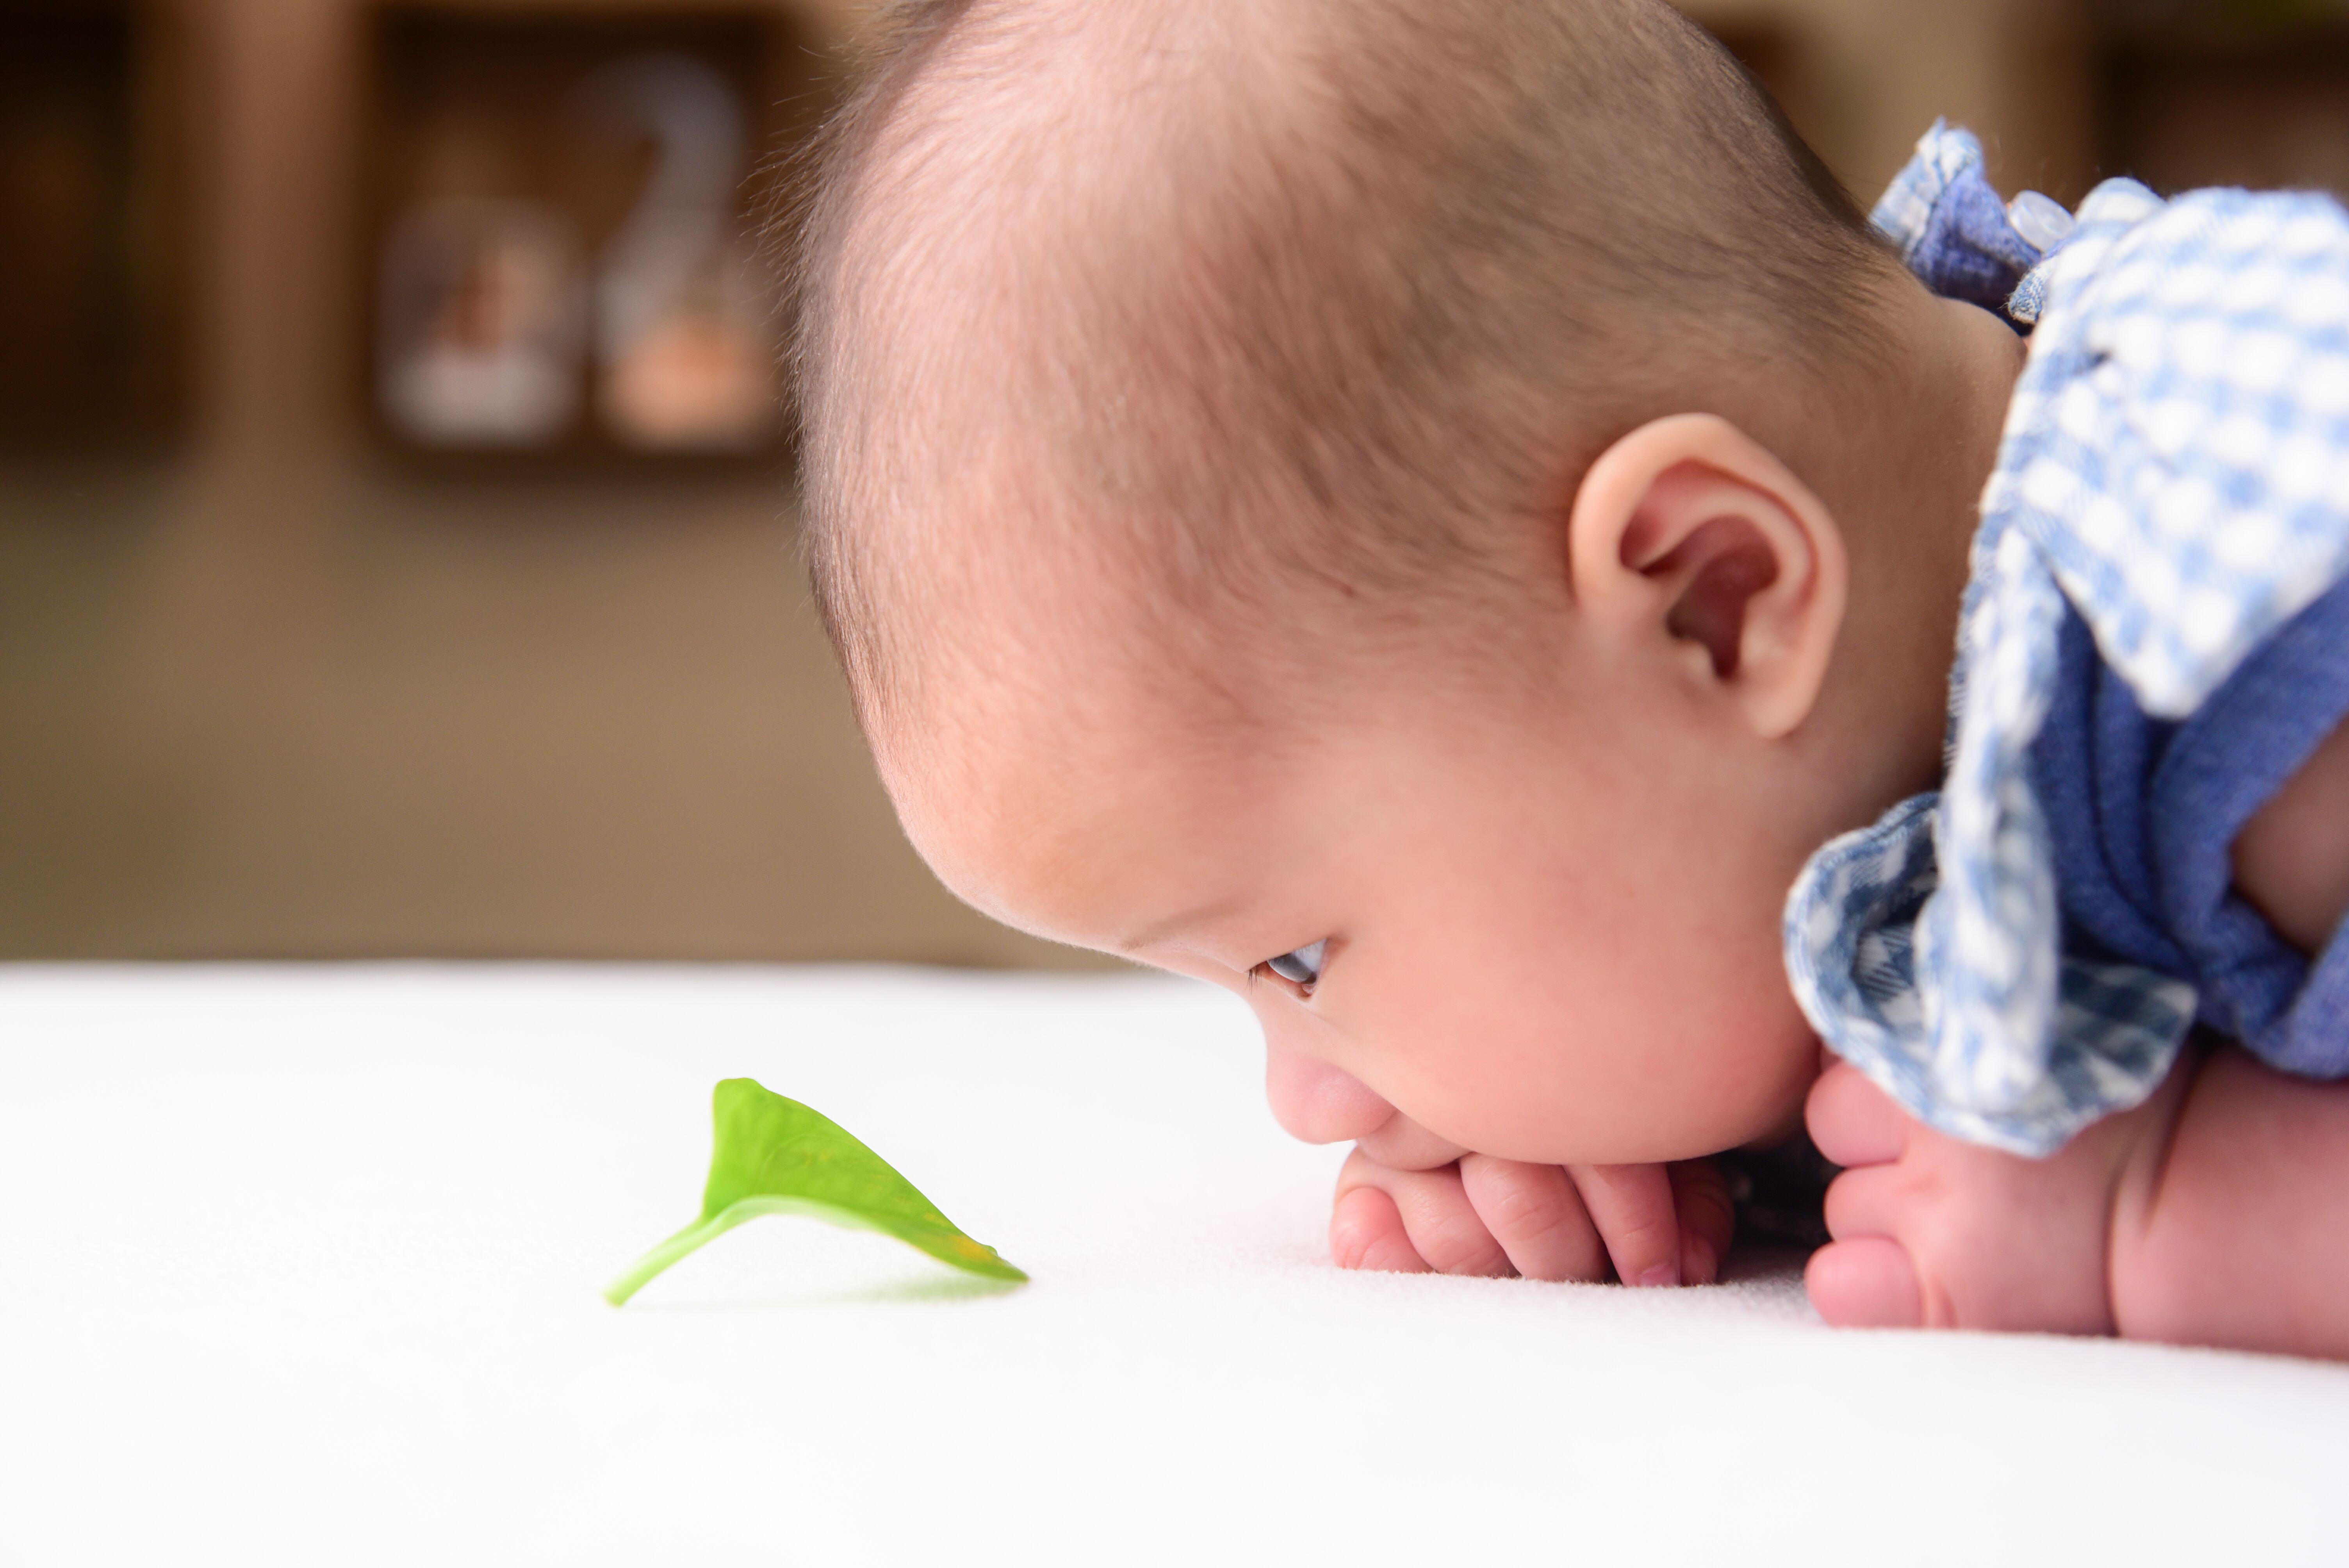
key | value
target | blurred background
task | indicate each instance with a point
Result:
(396, 548)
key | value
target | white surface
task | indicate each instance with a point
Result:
(301, 1266)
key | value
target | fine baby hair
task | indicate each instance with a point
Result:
(1277, 313)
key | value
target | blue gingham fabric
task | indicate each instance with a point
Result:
(1955, 232)
(2175, 471)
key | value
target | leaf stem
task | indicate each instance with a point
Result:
(700, 1233)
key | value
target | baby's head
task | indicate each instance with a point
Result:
(1372, 482)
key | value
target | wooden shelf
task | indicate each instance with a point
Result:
(2246, 92)
(88, 288)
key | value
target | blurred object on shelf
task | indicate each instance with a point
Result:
(565, 261)
(685, 357)
(2228, 92)
(483, 317)
(85, 343)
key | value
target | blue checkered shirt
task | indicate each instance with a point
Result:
(2174, 472)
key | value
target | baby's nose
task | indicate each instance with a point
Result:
(1317, 1103)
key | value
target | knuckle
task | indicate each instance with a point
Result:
(1511, 1197)
(1538, 1220)
(1486, 1262)
(1646, 1239)
(1516, 1199)
(1539, 1217)
(1460, 1244)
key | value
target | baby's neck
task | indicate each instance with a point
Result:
(1909, 503)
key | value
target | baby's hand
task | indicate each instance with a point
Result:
(1655, 1224)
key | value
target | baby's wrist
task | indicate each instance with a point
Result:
(2132, 1271)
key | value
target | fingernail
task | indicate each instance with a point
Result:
(1662, 1276)
(1703, 1267)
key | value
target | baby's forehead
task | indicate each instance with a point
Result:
(1077, 660)
(1071, 798)
(1025, 615)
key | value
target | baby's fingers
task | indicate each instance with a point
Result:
(1854, 1123)
(1438, 1222)
(1632, 1207)
(1708, 1218)
(1536, 1215)
(1366, 1232)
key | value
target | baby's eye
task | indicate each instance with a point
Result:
(1301, 968)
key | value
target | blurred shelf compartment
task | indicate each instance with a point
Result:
(89, 307)
(564, 262)
(2227, 92)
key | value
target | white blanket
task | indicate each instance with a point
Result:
(301, 1266)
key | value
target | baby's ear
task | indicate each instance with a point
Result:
(1689, 541)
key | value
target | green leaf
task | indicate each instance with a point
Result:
(776, 1156)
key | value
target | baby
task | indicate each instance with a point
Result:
(1430, 515)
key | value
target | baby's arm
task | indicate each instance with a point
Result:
(2215, 1214)
(1478, 1215)
(2241, 1236)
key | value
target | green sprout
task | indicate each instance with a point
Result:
(776, 1156)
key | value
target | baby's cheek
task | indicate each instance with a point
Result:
(1507, 1081)
(1456, 1101)
(1558, 1099)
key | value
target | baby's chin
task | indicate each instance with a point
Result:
(1402, 1144)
